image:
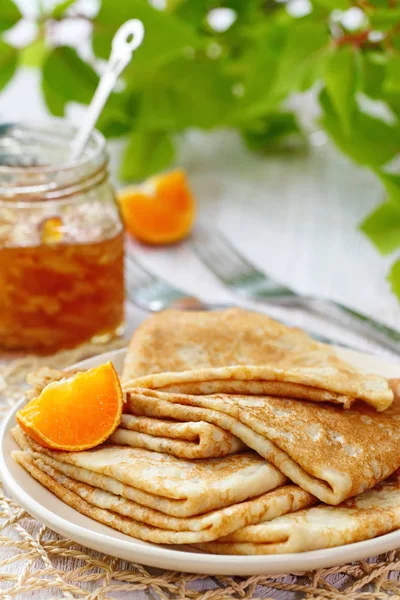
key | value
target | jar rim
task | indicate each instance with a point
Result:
(34, 168)
(96, 137)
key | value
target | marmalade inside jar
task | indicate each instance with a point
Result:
(61, 240)
(58, 295)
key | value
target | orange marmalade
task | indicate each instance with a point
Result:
(61, 244)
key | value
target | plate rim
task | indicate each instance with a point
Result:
(197, 562)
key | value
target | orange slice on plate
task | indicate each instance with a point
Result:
(159, 211)
(76, 413)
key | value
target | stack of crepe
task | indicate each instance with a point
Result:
(240, 436)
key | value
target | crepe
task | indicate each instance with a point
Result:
(369, 515)
(171, 485)
(43, 376)
(331, 453)
(184, 440)
(154, 526)
(240, 352)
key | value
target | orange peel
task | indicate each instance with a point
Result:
(75, 413)
(161, 210)
(51, 230)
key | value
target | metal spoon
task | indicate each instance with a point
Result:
(128, 37)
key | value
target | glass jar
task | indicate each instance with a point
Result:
(61, 241)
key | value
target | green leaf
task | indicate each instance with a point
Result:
(334, 4)
(391, 181)
(9, 15)
(33, 56)
(165, 38)
(8, 63)
(395, 41)
(173, 5)
(383, 227)
(286, 58)
(392, 81)
(260, 57)
(186, 93)
(306, 43)
(189, 11)
(370, 142)
(393, 101)
(119, 115)
(55, 101)
(158, 108)
(377, 4)
(250, 9)
(314, 73)
(145, 154)
(66, 78)
(373, 73)
(394, 278)
(385, 18)
(276, 131)
(60, 9)
(196, 12)
(341, 82)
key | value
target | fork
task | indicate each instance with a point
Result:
(152, 294)
(240, 276)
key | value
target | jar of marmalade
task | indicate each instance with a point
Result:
(61, 241)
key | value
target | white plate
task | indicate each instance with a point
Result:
(51, 511)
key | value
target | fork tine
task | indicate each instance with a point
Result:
(220, 256)
(136, 273)
(230, 263)
(240, 260)
(235, 271)
(209, 255)
(151, 293)
(234, 264)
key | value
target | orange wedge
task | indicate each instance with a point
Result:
(76, 413)
(161, 210)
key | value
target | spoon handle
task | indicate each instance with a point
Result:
(128, 37)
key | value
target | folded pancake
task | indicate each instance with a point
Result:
(369, 515)
(43, 376)
(240, 352)
(171, 485)
(184, 440)
(332, 453)
(154, 526)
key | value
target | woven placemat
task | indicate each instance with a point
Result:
(37, 563)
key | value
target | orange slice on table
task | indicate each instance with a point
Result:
(159, 211)
(76, 413)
